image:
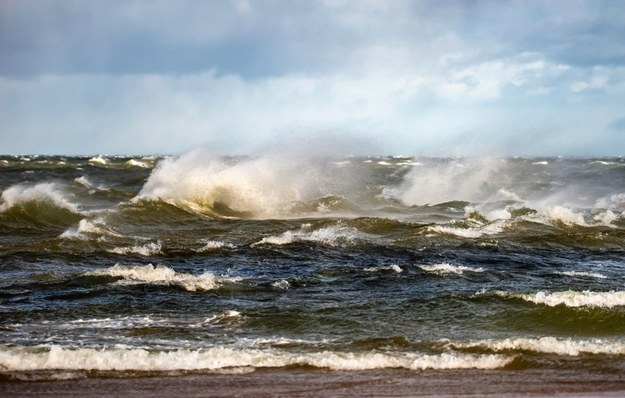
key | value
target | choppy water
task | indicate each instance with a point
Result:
(124, 266)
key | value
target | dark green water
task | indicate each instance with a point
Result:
(132, 266)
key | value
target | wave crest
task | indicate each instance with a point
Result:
(570, 298)
(135, 359)
(227, 187)
(163, 276)
(550, 345)
(44, 193)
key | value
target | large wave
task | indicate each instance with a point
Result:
(39, 204)
(259, 187)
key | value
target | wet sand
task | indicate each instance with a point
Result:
(317, 383)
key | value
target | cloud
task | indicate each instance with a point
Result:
(429, 76)
(494, 109)
(284, 37)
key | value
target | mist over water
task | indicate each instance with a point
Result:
(305, 259)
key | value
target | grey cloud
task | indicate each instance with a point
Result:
(281, 37)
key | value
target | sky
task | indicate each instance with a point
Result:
(527, 78)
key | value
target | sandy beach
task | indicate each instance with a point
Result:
(316, 383)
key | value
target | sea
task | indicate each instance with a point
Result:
(398, 267)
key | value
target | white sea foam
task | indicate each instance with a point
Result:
(582, 274)
(138, 163)
(551, 345)
(164, 276)
(570, 298)
(90, 227)
(43, 192)
(491, 228)
(125, 322)
(215, 245)
(226, 316)
(281, 284)
(392, 267)
(149, 249)
(84, 181)
(56, 357)
(565, 215)
(447, 269)
(331, 236)
(98, 160)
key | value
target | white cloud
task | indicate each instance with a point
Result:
(477, 106)
(162, 76)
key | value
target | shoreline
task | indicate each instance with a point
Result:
(316, 383)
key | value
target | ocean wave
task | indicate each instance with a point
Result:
(582, 274)
(215, 245)
(447, 269)
(472, 231)
(393, 267)
(336, 235)
(568, 298)
(467, 179)
(149, 249)
(549, 345)
(55, 357)
(163, 276)
(37, 206)
(279, 186)
(98, 160)
(143, 163)
(90, 228)
(260, 187)
(39, 194)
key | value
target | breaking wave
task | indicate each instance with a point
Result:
(149, 249)
(56, 357)
(162, 276)
(447, 269)
(44, 194)
(261, 187)
(43, 204)
(337, 235)
(550, 345)
(570, 298)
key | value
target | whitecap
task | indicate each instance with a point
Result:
(492, 228)
(55, 357)
(565, 216)
(331, 236)
(449, 269)
(43, 192)
(281, 284)
(137, 163)
(392, 267)
(226, 316)
(582, 274)
(163, 276)
(570, 298)
(215, 245)
(550, 345)
(148, 249)
(87, 227)
(98, 160)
